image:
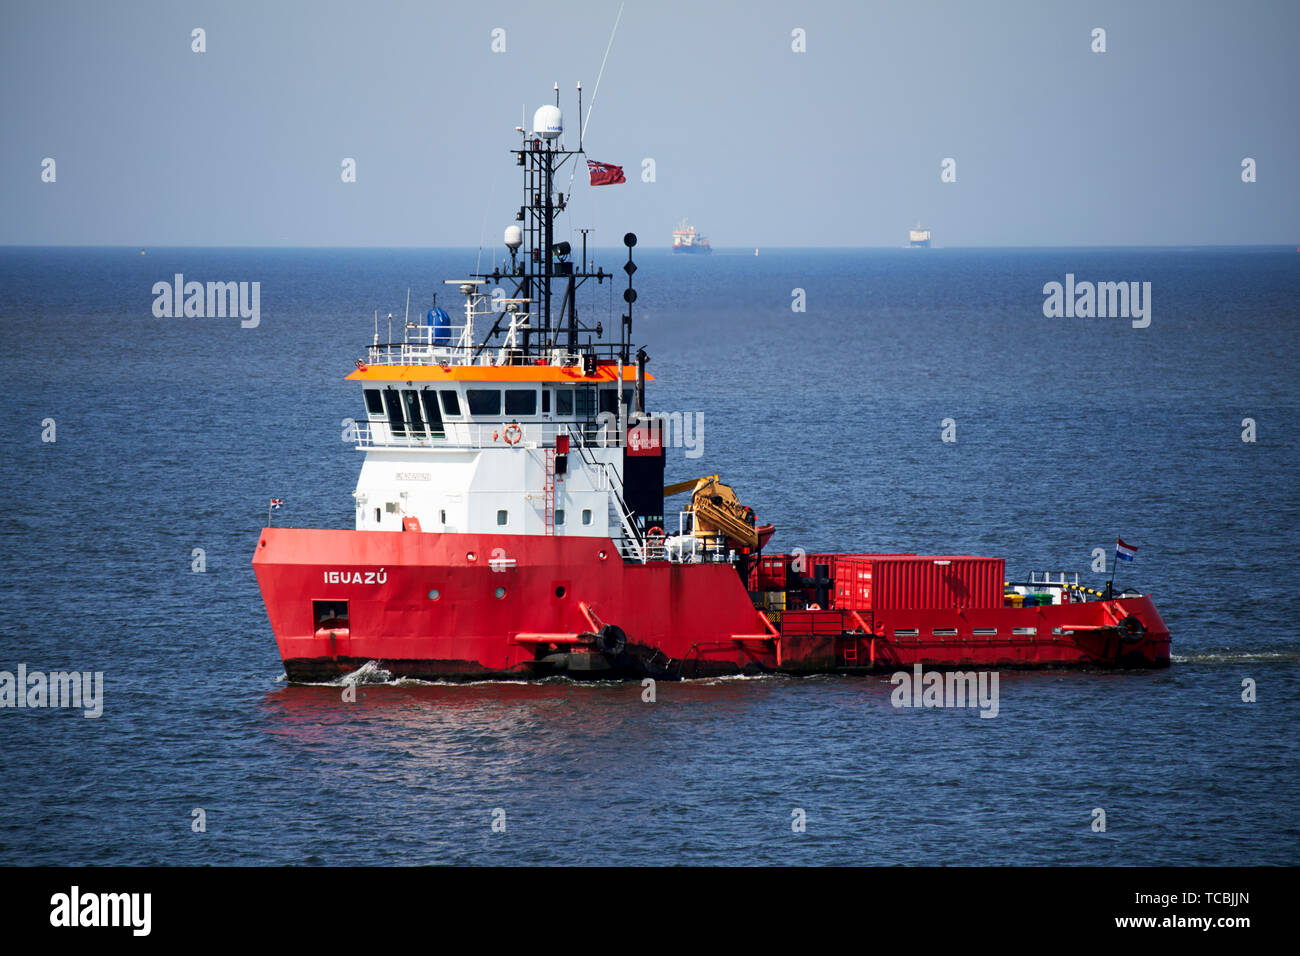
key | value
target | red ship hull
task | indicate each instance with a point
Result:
(474, 606)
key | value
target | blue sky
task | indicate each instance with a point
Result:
(759, 145)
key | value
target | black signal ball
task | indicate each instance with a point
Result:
(629, 239)
(629, 295)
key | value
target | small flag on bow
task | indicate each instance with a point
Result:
(1124, 552)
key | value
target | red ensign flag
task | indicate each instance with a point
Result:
(603, 174)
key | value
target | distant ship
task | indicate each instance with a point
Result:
(687, 240)
(918, 238)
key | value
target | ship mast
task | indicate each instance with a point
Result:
(543, 270)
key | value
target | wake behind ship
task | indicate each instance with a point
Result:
(511, 520)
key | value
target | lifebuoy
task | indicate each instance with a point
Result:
(512, 434)
(656, 530)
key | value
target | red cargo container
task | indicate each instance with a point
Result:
(769, 575)
(940, 581)
(853, 582)
(861, 582)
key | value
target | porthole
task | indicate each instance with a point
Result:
(469, 556)
(434, 594)
(559, 591)
(499, 593)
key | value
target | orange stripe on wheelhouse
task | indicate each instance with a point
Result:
(490, 373)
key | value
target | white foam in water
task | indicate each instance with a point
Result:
(368, 673)
(1226, 657)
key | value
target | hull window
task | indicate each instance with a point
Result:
(329, 614)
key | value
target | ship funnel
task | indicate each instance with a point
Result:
(548, 122)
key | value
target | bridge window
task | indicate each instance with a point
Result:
(564, 401)
(546, 401)
(484, 401)
(584, 405)
(431, 412)
(411, 398)
(521, 401)
(396, 421)
(586, 516)
(374, 402)
(450, 403)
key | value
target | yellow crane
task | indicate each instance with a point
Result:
(717, 510)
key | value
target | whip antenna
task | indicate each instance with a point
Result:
(595, 92)
(584, 120)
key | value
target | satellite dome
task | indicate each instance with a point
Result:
(514, 237)
(548, 122)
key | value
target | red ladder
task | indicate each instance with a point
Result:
(548, 491)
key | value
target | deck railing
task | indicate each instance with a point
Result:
(382, 434)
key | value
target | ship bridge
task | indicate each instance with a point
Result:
(514, 419)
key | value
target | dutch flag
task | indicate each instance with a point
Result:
(275, 504)
(1124, 552)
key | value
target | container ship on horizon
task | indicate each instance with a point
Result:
(918, 238)
(687, 241)
(511, 520)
